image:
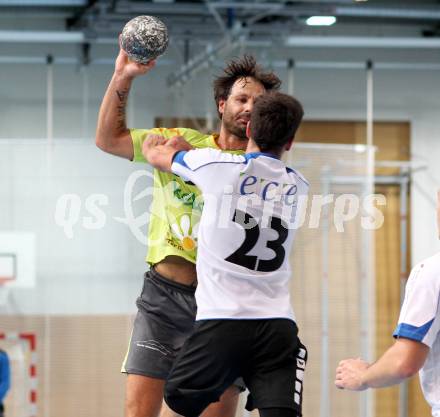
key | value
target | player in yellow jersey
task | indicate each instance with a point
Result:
(166, 306)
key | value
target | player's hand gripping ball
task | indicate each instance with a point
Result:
(144, 38)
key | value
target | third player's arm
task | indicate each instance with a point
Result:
(112, 134)
(399, 362)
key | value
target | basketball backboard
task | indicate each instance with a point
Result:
(17, 259)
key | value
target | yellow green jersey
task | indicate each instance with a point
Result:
(177, 205)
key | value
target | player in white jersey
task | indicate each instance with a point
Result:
(245, 323)
(417, 345)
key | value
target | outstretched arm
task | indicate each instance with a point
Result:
(399, 362)
(112, 134)
(160, 152)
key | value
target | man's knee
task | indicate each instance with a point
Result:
(174, 399)
(205, 403)
(143, 396)
(226, 406)
(187, 403)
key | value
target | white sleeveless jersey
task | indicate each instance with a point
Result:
(245, 233)
(420, 320)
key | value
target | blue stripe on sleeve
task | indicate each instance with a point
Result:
(179, 158)
(412, 332)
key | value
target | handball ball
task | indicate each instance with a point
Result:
(144, 38)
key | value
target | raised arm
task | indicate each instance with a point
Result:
(112, 134)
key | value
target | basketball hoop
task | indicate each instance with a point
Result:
(4, 289)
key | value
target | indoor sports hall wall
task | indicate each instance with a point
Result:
(89, 273)
(400, 94)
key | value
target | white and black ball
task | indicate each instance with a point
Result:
(144, 38)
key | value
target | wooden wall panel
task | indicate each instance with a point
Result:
(392, 140)
(78, 363)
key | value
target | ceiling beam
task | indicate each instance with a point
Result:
(19, 36)
(396, 12)
(362, 42)
(43, 3)
(37, 36)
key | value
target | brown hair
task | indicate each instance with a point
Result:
(242, 68)
(275, 119)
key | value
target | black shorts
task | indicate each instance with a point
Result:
(165, 319)
(267, 353)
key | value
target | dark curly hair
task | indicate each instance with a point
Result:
(275, 119)
(242, 68)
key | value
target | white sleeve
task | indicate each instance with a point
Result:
(419, 317)
(203, 166)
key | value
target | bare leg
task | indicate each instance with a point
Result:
(143, 396)
(167, 412)
(226, 407)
